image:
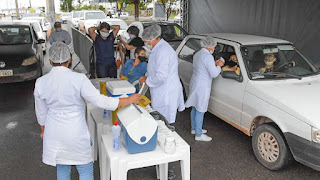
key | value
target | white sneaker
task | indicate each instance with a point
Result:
(203, 131)
(203, 137)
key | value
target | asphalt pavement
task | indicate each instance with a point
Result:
(227, 156)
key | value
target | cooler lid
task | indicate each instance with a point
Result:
(120, 87)
(140, 125)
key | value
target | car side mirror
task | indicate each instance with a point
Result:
(40, 41)
(232, 75)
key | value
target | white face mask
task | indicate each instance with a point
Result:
(58, 29)
(104, 34)
(132, 36)
(148, 46)
(211, 51)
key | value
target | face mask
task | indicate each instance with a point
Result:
(58, 29)
(232, 63)
(211, 51)
(132, 36)
(142, 58)
(104, 34)
(148, 46)
(269, 63)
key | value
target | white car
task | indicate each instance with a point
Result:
(123, 15)
(278, 108)
(39, 31)
(177, 18)
(123, 25)
(45, 24)
(65, 16)
(90, 19)
(74, 18)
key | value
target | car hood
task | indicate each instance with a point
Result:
(299, 98)
(15, 54)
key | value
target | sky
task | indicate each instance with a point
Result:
(25, 3)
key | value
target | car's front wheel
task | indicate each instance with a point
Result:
(270, 147)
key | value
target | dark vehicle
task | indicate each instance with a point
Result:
(171, 32)
(21, 56)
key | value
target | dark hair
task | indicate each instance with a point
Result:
(104, 25)
(133, 30)
(57, 23)
(138, 50)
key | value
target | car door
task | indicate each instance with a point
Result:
(188, 47)
(227, 94)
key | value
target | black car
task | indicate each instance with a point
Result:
(21, 56)
(171, 32)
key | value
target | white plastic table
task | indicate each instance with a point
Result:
(116, 164)
(95, 126)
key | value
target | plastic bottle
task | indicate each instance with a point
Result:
(116, 129)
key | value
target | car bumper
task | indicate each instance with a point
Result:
(304, 151)
(23, 74)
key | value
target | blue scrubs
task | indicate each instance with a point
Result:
(135, 73)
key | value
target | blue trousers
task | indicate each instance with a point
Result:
(106, 70)
(196, 121)
(85, 171)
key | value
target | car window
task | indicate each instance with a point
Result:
(189, 49)
(276, 61)
(172, 32)
(15, 35)
(95, 15)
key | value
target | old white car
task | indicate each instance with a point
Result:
(90, 19)
(279, 108)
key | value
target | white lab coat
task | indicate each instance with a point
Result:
(59, 105)
(163, 81)
(204, 69)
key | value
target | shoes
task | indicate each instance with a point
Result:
(203, 137)
(203, 131)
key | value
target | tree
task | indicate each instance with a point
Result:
(66, 5)
(136, 6)
(168, 4)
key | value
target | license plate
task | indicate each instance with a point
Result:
(6, 73)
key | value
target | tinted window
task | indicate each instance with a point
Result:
(15, 35)
(189, 49)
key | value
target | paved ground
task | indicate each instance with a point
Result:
(228, 156)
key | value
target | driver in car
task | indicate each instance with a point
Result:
(232, 65)
(269, 61)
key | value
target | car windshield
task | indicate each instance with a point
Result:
(65, 14)
(15, 35)
(95, 15)
(172, 32)
(31, 15)
(276, 61)
(76, 14)
(122, 24)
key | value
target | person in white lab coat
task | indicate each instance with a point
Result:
(60, 111)
(162, 75)
(204, 69)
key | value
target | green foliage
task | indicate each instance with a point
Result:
(88, 7)
(66, 5)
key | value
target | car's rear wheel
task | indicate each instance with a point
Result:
(270, 147)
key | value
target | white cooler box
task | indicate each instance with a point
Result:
(139, 129)
(119, 88)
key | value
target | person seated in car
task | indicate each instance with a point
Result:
(269, 61)
(22, 37)
(232, 65)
